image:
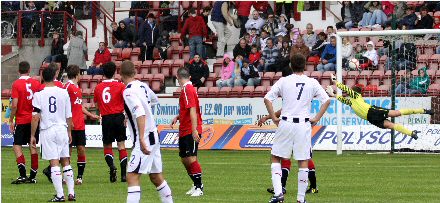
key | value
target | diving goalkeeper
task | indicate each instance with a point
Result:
(373, 114)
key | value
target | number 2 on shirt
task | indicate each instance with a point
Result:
(301, 90)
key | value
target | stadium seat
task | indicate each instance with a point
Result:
(362, 81)
(374, 81)
(218, 65)
(327, 74)
(157, 82)
(352, 74)
(156, 54)
(156, 4)
(6, 93)
(224, 92)
(206, 4)
(422, 58)
(326, 82)
(116, 54)
(178, 63)
(87, 93)
(84, 81)
(267, 78)
(138, 77)
(126, 54)
(383, 90)
(176, 93)
(377, 74)
(316, 74)
(383, 59)
(94, 81)
(185, 5)
(435, 58)
(310, 67)
(277, 76)
(145, 67)
(185, 54)
(165, 67)
(433, 66)
(388, 74)
(147, 78)
(213, 92)
(175, 53)
(307, 73)
(210, 81)
(386, 81)
(247, 91)
(202, 91)
(175, 40)
(134, 55)
(434, 90)
(259, 91)
(236, 91)
(155, 67)
(350, 82)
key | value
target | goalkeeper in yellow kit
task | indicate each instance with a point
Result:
(373, 114)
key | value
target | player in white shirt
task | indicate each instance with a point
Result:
(145, 157)
(295, 126)
(53, 111)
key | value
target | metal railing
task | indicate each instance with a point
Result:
(98, 7)
(38, 22)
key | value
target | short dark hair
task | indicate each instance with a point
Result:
(287, 70)
(424, 8)
(109, 69)
(53, 65)
(24, 67)
(72, 71)
(128, 69)
(297, 63)
(332, 37)
(357, 89)
(254, 46)
(48, 74)
(207, 9)
(183, 73)
(78, 33)
(192, 11)
(330, 27)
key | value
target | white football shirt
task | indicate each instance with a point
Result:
(53, 104)
(137, 103)
(297, 92)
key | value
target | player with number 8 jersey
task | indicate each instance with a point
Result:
(110, 102)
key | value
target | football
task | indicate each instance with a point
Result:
(353, 64)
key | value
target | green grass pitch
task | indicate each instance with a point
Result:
(243, 176)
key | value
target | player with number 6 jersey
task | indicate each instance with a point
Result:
(23, 91)
(110, 102)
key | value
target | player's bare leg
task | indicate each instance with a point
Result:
(134, 188)
(57, 181)
(276, 180)
(81, 163)
(194, 170)
(162, 187)
(68, 177)
(123, 160)
(400, 128)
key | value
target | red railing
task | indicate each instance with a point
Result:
(41, 16)
(97, 7)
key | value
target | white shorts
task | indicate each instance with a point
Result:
(293, 137)
(146, 164)
(54, 142)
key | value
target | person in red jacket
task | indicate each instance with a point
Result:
(243, 11)
(102, 56)
(197, 31)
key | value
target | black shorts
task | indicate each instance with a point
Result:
(78, 138)
(377, 116)
(113, 128)
(187, 146)
(22, 134)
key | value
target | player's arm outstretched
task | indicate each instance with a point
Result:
(344, 88)
(89, 114)
(342, 99)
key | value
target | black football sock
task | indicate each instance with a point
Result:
(312, 179)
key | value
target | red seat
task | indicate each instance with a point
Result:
(236, 91)
(434, 89)
(202, 91)
(157, 82)
(165, 67)
(156, 54)
(6, 93)
(213, 92)
(307, 73)
(210, 81)
(224, 92)
(377, 74)
(259, 91)
(185, 54)
(327, 74)
(126, 54)
(267, 78)
(362, 81)
(87, 92)
(176, 93)
(218, 65)
(155, 67)
(352, 74)
(365, 74)
(247, 91)
(176, 52)
(178, 63)
(326, 82)
(386, 81)
(134, 55)
(175, 40)
(95, 80)
(84, 81)
(310, 67)
(147, 78)
(350, 82)
(383, 90)
(316, 74)
(116, 54)
(145, 67)
(374, 81)
(277, 76)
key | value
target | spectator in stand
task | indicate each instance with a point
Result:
(226, 72)
(287, 8)
(205, 14)
(243, 11)
(418, 85)
(139, 5)
(102, 56)
(404, 82)
(254, 56)
(300, 48)
(319, 47)
(263, 39)
(268, 62)
(56, 51)
(247, 38)
(375, 15)
(123, 35)
(330, 33)
(292, 34)
(279, 41)
(371, 58)
(409, 20)
(347, 52)
(170, 17)
(236, 73)
(285, 52)
(163, 43)
(426, 21)
(406, 57)
(358, 11)
(28, 18)
(10, 6)
(397, 8)
(436, 23)
(264, 8)
(220, 17)
(197, 31)
(77, 51)
(255, 22)
(271, 26)
(199, 71)
(253, 37)
(249, 75)
(348, 16)
(310, 37)
(328, 57)
(242, 49)
(282, 30)
(148, 34)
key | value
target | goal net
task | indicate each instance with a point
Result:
(396, 69)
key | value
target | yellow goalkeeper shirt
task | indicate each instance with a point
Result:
(355, 100)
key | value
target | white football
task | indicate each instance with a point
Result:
(353, 64)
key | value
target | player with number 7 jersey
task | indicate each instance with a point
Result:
(110, 102)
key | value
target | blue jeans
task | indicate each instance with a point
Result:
(132, 21)
(348, 25)
(224, 83)
(121, 45)
(365, 19)
(51, 58)
(403, 89)
(378, 17)
(195, 46)
(327, 67)
(253, 82)
(95, 71)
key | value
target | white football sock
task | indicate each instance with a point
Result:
(134, 194)
(68, 176)
(276, 178)
(55, 174)
(303, 181)
(165, 192)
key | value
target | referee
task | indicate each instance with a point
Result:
(373, 114)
